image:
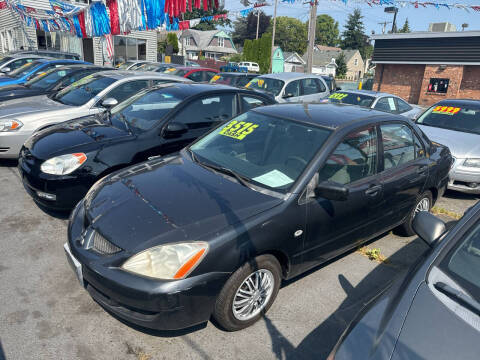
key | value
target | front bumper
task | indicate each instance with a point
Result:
(464, 179)
(11, 143)
(52, 191)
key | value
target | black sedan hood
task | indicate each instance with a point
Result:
(17, 91)
(170, 200)
(80, 135)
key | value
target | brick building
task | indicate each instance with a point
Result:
(426, 67)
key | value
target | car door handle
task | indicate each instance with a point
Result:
(373, 190)
(422, 169)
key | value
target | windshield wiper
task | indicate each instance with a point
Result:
(241, 179)
(458, 297)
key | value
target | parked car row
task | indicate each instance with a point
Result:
(195, 201)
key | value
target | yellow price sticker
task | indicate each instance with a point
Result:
(171, 69)
(215, 78)
(447, 110)
(248, 85)
(338, 96)
(261, 82)
(238, 129)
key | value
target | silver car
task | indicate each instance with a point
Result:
(377, 100)
(456, 124)
(15, 61)
(292, 87)
(92, 94)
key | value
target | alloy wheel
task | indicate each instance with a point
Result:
(423, 205)
(253, 295)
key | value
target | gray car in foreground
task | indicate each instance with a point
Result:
(380, 101)
(20, 118)
(456, 124)
(433, 312)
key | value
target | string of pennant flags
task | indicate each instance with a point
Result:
(404, 3)
(115, 17)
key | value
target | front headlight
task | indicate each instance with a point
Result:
(173, 261)
(472, 163)
(64, 164)
(10, 125)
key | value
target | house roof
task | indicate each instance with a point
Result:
(293, 57)
(204, 38)
(327, 48)
(426, 35)
(324, 57)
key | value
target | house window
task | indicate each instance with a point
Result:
(221, 42)
(125, 49)
(187, 41)
(439, 86)
(356, 62)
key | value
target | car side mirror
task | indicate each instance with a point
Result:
(5, 70)
(287, 95)
(332, 191)
(428, 227)
(174, 129)
(109, 103)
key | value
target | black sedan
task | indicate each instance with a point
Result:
(170, 242)
(52, 81)
(433, 312)
(63, 161)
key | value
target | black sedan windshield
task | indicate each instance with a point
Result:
(83, 90)
(48, 80)
(142, 111)
(272, 86)
(268, 151)
(458, 118)
(351, 98)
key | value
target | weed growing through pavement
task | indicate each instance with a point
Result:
(373, 254)
(441, 211)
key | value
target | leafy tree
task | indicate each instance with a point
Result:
(207, 25)
(265, 52)
(235, 58)
(354, 35)
(341, 65)
(406, 27)
(326, 32)
(246, 28)
(290, 34)
(172, 39)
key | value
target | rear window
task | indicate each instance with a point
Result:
(273, 86)
(351, 98)
(48, 79)
(221, 79)
(178, 72)
(464, 118)
(24, 70)
(83, 90)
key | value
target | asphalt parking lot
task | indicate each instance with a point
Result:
(45, 314)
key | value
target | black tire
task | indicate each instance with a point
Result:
(406, 228)
(223, 312)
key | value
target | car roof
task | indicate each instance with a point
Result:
(79, 67)
(192, 88)
(127, 74)
(237, 74)
(368, 92)
(22, 55)
(194, 68)
(289, 76)
(461, 103)
(330, 115)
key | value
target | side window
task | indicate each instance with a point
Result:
(354, 158)
(386, 104)
(402, 106)
(207, 111)
(320, 85)
(310, 86)
(196, 76)
(250, 102)
(398, 145)
(125, 90)
(293, 88)
(209, 75)
(419, 149)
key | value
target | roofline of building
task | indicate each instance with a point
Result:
(426, 63)
(426, 35)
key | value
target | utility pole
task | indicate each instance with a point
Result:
(273, 33)
(258, 22)
(312, 24)
(384, 28)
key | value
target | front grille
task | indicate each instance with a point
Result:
(103, 246)
(4, 149)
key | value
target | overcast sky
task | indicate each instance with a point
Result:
(418, 18)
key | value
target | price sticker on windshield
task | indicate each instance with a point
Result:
(215, 78)
(238, 129)
(447, 110)
(338, 96)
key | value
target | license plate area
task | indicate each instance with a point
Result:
(74, 263)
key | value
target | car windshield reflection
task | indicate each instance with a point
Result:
(266, 150)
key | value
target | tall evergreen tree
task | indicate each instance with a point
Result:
(354, 35)
(326, 31)
(341, 65)
(246, 28)
(406, 27)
